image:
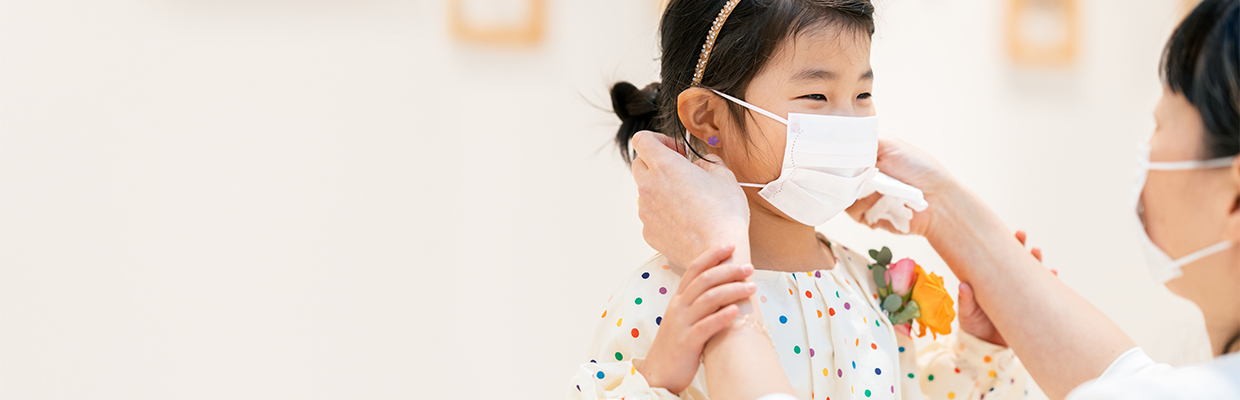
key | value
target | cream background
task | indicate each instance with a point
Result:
(333, 199)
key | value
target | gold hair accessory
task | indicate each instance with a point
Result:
(710, 40)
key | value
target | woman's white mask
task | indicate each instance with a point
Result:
(827, 160)
(1161, 265)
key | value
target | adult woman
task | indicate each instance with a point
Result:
(1189, 204)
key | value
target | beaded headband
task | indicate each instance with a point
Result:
(710, 40)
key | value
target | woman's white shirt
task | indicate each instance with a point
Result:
(1135, 376)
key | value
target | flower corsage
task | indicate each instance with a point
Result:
(907, 293)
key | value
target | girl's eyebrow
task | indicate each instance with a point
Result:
(816, 74)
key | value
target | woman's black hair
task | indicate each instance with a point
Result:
(744, 45)
(1202, 62)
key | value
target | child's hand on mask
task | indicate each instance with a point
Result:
(701, 307)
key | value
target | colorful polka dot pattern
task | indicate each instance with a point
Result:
(825, 310)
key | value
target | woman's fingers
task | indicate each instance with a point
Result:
(1023, 237)
(639, 168)
(857, 209)
(706, 328)
(657, 149)
(719, 297)
(667, 141)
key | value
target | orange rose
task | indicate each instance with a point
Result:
(936, 305)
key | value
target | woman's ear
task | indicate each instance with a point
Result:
(699, 110)
(1233, 219)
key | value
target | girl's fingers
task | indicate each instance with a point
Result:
(1037, 253)
(714, 277)
(968, 305)
(706, 328)
(1021, 236)
(719, 297)
(710, 258)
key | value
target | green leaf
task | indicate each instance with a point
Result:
(882, 292)
(892, 303)
(880, 275)
(882, 257)
(910, 312)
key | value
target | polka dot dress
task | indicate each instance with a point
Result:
(827, 328)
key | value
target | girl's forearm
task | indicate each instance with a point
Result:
(1061, 338)
(740, 362)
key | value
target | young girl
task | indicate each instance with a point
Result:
(779, 90)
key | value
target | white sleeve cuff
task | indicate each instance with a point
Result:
(778, 396)
(1133, 362)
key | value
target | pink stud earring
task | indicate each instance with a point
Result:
(713, 141)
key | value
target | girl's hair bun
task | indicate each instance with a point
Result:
(637, 111)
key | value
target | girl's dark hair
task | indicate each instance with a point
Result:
(744, 45)
(1202, 62)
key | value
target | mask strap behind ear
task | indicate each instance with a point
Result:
(1190, 165)
(1203, 253)
(752, 107)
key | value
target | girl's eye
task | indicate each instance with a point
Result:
(818, 97)
(864, 96)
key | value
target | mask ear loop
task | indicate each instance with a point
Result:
(752, 107)
(759, 111)
(1220, 162)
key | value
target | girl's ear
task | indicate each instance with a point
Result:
(700, 111)
(1233, 219)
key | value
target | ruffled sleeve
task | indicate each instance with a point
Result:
(625, 332)
(965, 367)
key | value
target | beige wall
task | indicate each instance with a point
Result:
(332, 199)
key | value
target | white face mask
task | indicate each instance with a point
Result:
(827, 159)
(1161, 265)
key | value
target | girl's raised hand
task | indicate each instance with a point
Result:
(701, 307)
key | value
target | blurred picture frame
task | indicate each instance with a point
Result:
(1043, 32)
(498, 22)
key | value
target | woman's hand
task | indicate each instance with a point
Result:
(686, 208)
(973, 319)
(914, 167)
(702, 306)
